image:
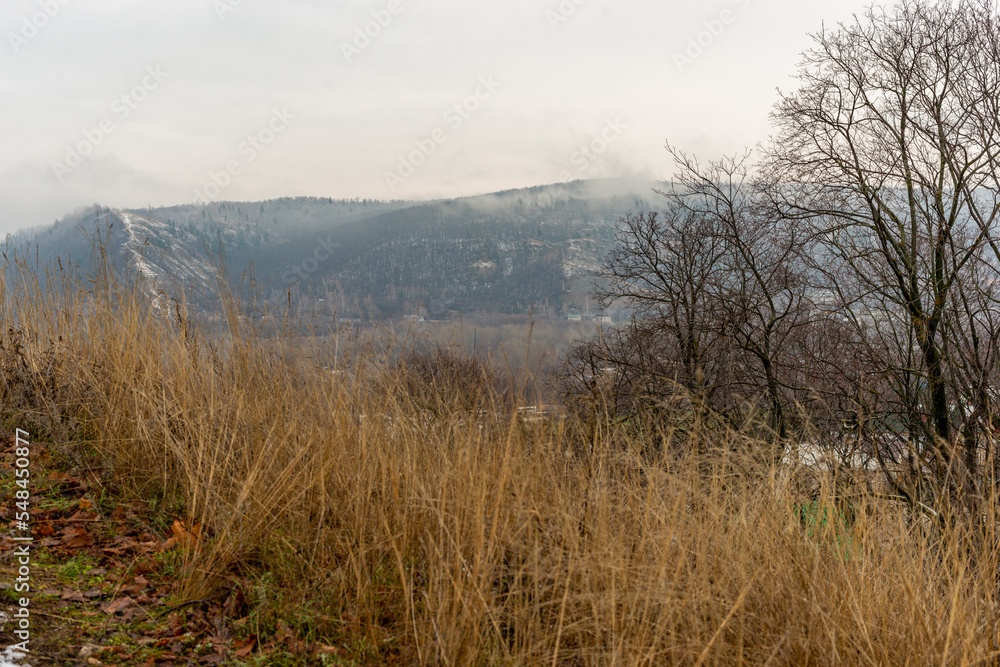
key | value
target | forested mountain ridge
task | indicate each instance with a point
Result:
(503, 252)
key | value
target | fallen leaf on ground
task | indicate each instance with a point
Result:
(132, 613)
(247, 647)
(183, 537)
(76, 537)
(118, 605)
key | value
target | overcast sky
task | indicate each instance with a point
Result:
(163, 102)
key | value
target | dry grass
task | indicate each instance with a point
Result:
(465, 537)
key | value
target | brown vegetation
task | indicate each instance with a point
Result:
(449, 543)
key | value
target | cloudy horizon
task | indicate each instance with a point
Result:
(135, 104)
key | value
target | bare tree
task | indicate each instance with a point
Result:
(888, 152)
(855, 271)
(719, 291)
(760, 281)
(662, 266)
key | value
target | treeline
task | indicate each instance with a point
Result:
(840, 286)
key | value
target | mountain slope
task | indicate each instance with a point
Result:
(502, 252)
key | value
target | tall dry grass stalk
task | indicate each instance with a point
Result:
(471, 536)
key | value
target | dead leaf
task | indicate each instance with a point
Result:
(140, 582)
(283, 632)
(234, 605)
(85, 504)
(132, 613)
(182, 536)
(79, 541)
(176, 624)
(76, 537)
(221, 637)
(72, 596)
(118, 605)
(247, 648)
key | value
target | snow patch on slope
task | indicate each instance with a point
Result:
(178, 266)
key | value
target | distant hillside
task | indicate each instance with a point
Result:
(502, 252)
